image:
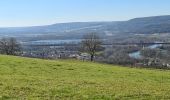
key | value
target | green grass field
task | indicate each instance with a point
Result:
(26, 78)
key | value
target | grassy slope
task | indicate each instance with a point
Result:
(42, 79)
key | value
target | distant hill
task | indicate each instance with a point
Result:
(145, 25)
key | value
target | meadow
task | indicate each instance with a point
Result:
(37, 79)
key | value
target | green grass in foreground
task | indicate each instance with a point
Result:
(25, 78)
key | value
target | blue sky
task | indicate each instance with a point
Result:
(41, 12)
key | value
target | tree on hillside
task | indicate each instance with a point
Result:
(10, 46)
(91, 44)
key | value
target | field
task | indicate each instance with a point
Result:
(26, 78)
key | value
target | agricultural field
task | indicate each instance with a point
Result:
(37, 79)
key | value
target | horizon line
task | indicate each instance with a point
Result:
(28, 26)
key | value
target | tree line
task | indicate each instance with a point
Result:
(10, 46)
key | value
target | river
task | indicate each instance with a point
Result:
(137, 54)
(53, 41)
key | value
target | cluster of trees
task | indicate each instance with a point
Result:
(10, 46)
(159, 57)
(118, 55)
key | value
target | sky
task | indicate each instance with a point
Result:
(15, 13)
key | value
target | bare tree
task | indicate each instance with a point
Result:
(10, 46)
(91, 44)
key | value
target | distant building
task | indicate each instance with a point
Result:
(84, 56)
